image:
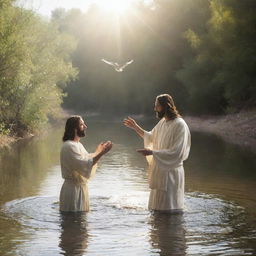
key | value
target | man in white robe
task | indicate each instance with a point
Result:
(165, 147)
(77, 166)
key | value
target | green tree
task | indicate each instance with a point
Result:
(219, 76)
(35, 66)
(201, 52)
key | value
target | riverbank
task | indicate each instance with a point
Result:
(237, 128)
(8, 140)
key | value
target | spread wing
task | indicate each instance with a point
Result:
(126, 64)
(108, 62)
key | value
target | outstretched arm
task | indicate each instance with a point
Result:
(130, 123)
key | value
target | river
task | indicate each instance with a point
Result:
(219, 218)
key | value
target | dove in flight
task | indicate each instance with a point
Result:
(117, 67)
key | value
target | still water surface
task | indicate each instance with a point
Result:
(220, 200)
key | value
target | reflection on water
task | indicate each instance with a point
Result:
(24, 166)
(74, 236)
(209, 225)
(167, 234)
(220, 206)
(216, 167)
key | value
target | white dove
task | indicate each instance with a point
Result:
(117, 67)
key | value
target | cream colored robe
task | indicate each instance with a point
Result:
(76, 168)
(170, 142)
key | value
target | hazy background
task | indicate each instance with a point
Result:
(201, 52)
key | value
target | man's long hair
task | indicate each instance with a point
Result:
(71, 124)
(166, 101)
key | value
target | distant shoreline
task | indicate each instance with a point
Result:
(239, 129)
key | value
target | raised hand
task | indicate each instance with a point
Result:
(101, 150)
(103, 147)
(130, 123)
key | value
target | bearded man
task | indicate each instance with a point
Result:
(77, 166)
(165, 147)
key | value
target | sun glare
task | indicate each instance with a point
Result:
(115, 6)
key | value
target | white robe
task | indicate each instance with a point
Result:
(170, 143)
(76, 168)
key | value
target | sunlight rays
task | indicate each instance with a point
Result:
(114, 6)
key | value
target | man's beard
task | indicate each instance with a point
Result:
(160, 114)
(80, 133)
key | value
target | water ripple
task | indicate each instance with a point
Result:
(208, 225)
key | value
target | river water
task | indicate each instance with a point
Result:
(219, 218)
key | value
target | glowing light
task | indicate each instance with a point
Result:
(115, 6)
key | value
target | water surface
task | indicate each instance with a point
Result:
(220, 200)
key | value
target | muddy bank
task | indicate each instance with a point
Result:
(237, 128)
(8, 140)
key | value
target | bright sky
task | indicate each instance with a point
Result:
(45, 7)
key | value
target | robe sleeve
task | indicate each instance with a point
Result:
(178, 151)
(148, 139)
(81, 163)
(148, 143)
